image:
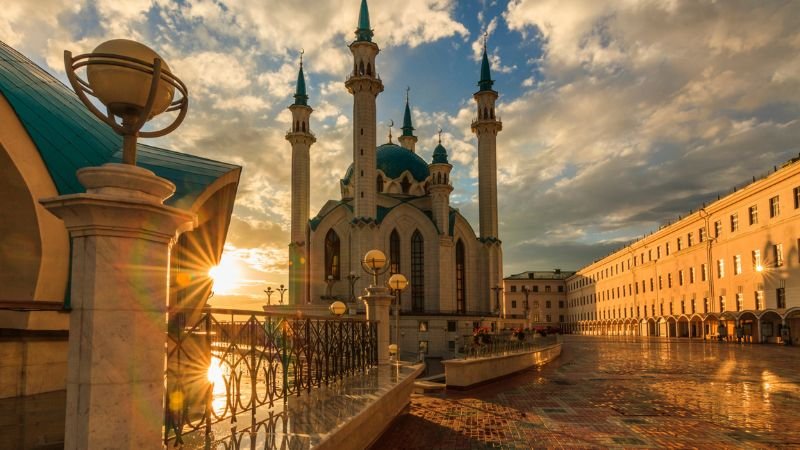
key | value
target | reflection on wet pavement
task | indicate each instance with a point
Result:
(621, 392)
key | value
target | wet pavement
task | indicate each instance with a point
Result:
(621, 393)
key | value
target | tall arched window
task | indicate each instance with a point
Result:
(394, 252)
(332, 255)
(405, 185)
(461, 278)
(379, 183)
(417, 272)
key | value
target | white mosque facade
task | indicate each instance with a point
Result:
(395, 201)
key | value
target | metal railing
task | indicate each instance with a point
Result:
(502, 344)
(226, 364)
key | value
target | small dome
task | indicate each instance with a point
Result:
(393, 160)
(440, 155)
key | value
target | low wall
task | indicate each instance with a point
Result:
(465, 373)
(367, 426)
(32, 365)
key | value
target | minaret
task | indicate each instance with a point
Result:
(365, 86)
(486, 126)
(440, 188)
(301, 138)
(407, 139)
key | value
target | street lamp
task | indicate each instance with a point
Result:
(269, 293)
(351, 279)
(374, 263)
(337, 308)
(397, 283)
(282, 289)
(497, 310)
(133, 83)
(330, 281)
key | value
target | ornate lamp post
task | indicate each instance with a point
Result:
(497, 309)
(378, 300)
(269, 293)
(329, 282)
(352, 278)
(337, 308)
(120, 222)
(374, 263)
(282, 290)
(133, 83)
(397, 283)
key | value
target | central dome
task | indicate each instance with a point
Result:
(393, 160)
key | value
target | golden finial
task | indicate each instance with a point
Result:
(408, 89)
(440, 135)
(301, 56)
(485, 38)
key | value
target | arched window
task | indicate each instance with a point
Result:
(461, 278)
(394, 252)
(485, 113)
(303, 126)
(379, 184)
(417, 272)
(332, 255)
(406, 185)
(369, 69)
(361, 68)
(491, 113)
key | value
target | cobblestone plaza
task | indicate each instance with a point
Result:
(620, 393)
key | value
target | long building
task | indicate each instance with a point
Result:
(729, 267)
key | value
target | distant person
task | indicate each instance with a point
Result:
(722, 332)
(739, 333)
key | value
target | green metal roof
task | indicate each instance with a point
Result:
(486, 81)
(408, 128)
(393, 160)
(300, 96)
(364, 32)
(69, 137)
(440, 155)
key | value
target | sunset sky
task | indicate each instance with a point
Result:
(617, 115)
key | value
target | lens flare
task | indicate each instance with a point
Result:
(226, 276)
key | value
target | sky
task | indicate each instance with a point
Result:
(618, 115)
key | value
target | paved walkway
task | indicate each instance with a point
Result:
(621, 393)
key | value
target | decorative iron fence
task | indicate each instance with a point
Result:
(503, 343)
(227, 363)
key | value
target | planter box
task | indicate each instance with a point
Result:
(466, 373)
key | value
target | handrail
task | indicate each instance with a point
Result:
(32, 305)
(297, 314)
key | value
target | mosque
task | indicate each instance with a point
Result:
(395, 201)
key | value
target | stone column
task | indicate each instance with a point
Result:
(378, 300)
(121, 238)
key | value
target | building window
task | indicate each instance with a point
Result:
(680, 277)
(720, 268)
(718, 229)
(536, 304)
(774, 206)
(669, 280)
(548, 317)
(734, 222)
(423, 347)
(513, 304)
(461, 278)
(660, 282)
(679, 244)
(691, 275)
(332, 255)
(694, 304)
(379, 183)
(753, 214)
(452, 326)
(737, 264)
(547, 288)
(721, 303)
(667, 248)
(705, 305)
(739, 301)
(561, 289)
(535, 288)
(658, 252)
(422, 326)
(394, 252)
(561, 303)
(689, 239)
(757, 260)
(651, 284)
(759, 300)
(547, 305)
(513, 288)
(417, 271)
(796, 197)
(703, 272)
(701, 234)
(560, 318)
(780, 296)
(778, 250)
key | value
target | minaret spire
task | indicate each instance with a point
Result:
(486, 81)
(300, 96)
(408, 140)
(364, 31)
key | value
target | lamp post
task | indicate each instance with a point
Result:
(397, 283)
(351, 279)
(282, 290)
(378, 300)
(269, 293)
(497, 309)
(121, 234)
(337, 308)
(329, 282)
(374, 263)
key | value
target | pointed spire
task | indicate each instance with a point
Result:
(364, 32)
(486, 81)
(440, 153)
(300, 96)
(408, 128)
(391, 124)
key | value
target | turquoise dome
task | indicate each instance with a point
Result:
(393, 160)
(440, 155)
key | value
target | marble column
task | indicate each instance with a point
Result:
(121, 238)
(377, 301)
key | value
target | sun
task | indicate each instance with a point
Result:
(226, 276)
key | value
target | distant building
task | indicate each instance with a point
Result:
(734, 262)
(535, 299)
